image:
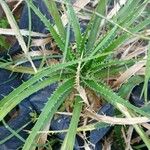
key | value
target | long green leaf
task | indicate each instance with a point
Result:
(69, 140)
(134, 15)
(123, 38)
(48, 111)
(128, 7)
(101, 9)
(107, 40)
(147, 74)
(127, 88)
(51, 5)
(47, 23)
(112, 97)
(97, 66)
(59, 41)
(75, 24)
(8, 104)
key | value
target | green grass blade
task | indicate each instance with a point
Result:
(30, 26)
(85, 35)
(107, 40)
(66, 43)
(50, 108)
(128, 7)
(51, 5)
(142, 24)
(66, 46)
(115, 43)
(143, 135)
(127, 88)
(133, 16)
(101, 9)
(147, 75)
(59, 41)
(7, 104)
(68, 143)
(98, 66)
(47, 24)
(75, 24)
(112, 97)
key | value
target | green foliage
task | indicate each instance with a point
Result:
(21, 93)
(48, 24)
(55, 14)
(101, 8)
(48, 111)
(71, 134)
(95, 50)
(147, 74)
(127, 88)
(75, 24)
(112, 97)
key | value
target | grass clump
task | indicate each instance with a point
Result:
(102, 60)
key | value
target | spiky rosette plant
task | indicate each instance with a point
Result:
(84, 65)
